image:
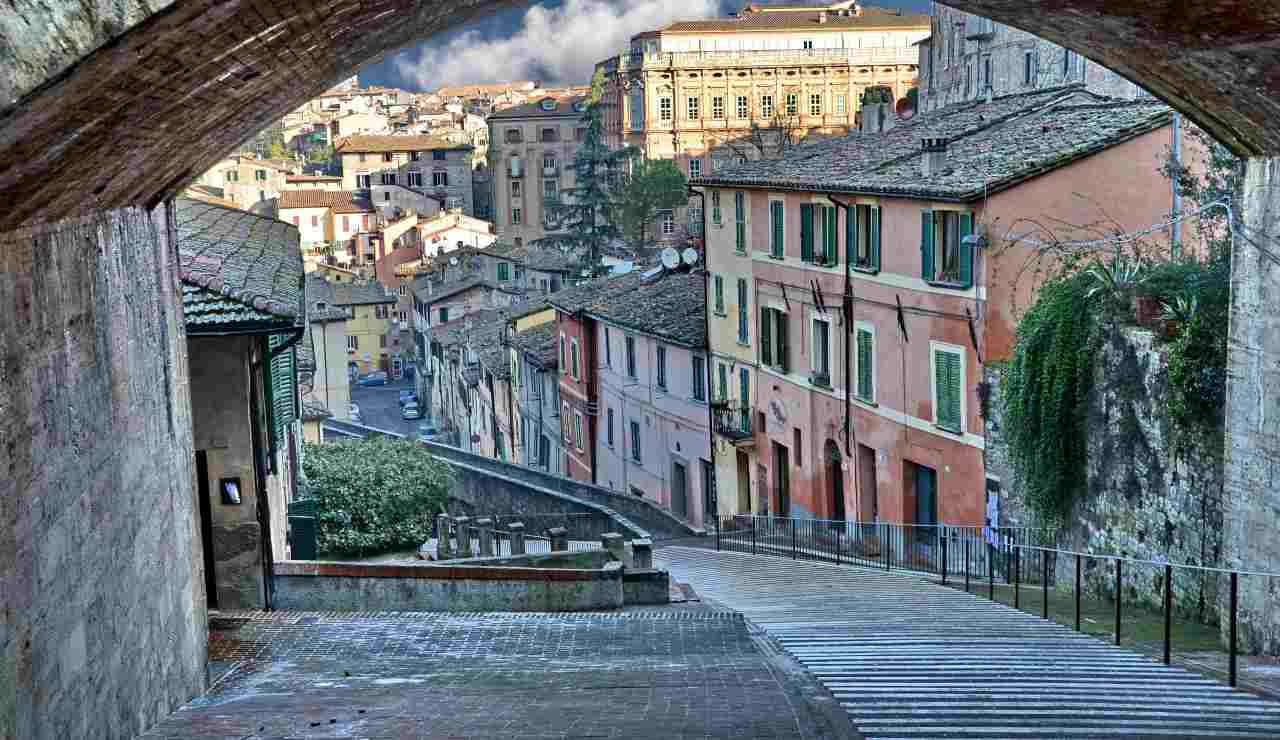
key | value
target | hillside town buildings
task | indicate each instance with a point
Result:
(248, 181)
(408, 171)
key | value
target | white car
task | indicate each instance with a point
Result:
(355, 413)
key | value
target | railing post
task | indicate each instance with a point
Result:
(1168, 610)
(1077, 592)
(1017, 579)
(717, 518)
(966, 565)
(839, 531)
(1119, 594)
(1231, 649)
(793, 538)
(991, 572)
(753, 535)
(517, 537)
(1044, 558)
(944, 560)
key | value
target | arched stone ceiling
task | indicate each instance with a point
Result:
(126, 102)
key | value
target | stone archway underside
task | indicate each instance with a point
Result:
(106, 117)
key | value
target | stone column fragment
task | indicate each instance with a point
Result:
(444, 549)
(642, 554)
(613, 544)
(485, 526)
(463, 524)
(559, 539)
(517, 537)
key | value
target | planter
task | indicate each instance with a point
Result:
(1170, 329)
(1146, 310)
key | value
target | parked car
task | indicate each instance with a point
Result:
(408, 397)
(429, 433)
(374, 378)
(410, 411)
(355, 413)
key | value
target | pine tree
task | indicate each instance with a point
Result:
(587, 215)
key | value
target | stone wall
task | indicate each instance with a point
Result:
(1147, 497)
(102, 629)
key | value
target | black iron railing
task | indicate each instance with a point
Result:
(732, 420)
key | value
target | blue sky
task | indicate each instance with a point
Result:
(556, 42)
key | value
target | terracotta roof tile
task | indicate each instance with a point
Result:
(564, 109)
(669, 307)
(339, 201)
(377, 144)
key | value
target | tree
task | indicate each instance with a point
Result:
(587, 215)
(375, 495)
(654, 185)
(769, 141)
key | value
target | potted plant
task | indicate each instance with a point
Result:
(1117, 281)
(1178, 313)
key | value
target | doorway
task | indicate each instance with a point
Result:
(926, 495)
(744, 483)
(782, 478)
(868, 498)
(206, 529)
(835, 479)
(679, 490)
(709, 507)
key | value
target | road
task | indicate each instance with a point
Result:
(380, 406)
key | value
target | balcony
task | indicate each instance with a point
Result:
(552, 171)
(733, 422)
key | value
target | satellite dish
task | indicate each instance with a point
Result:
(453, 261)
(690, 256)
(670, 258)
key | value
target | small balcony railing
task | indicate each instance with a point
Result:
(732, 421)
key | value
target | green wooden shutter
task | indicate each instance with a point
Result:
(926, 245)
(830, 241)
(850, 235)
(740, 222)
(719, 293)
(784, 348)
(766, 345)
(875, 237)
(864, 364)
(722, 375)
(966, 250)
(775, 246)
(806, 232)
(948, 383)
(742, 310)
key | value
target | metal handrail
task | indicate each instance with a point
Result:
(1161, 563)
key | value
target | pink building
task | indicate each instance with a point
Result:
(883, 271)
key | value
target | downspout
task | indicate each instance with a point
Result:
(847, 309)
(1175, 228)
(714, 496)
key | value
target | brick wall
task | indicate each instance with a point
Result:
(103, 624)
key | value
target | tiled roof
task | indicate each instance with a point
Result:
(564, 109)
(669, 307)
(540, 343)
(439, 291)
(482, 331)
(546, 260)
(360, 293)
(376, 144)
(320, 293)
(214, 196)
(807, 19)
(237, 267)
(990, 146)
(477, 90)
(312, 178)
(339, 201)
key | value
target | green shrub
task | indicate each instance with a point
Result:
(376, 495)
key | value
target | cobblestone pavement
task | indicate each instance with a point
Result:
(909, 659)
(678, 672)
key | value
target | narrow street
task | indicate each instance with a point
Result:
(910, 659)
(380, 406)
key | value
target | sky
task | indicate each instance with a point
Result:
(556, 42)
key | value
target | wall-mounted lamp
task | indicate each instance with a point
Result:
(230, 488)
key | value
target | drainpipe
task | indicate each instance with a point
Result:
(1175, 229)
(706, 327)
(847, 309)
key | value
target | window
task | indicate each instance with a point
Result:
(386, 197)
(742, 310)
(231, 176)
(504, 271)
(818, 234)
(662, 367)
(722, 381)
(948, 384)
(515, 188)
(577, 429)
(635, 440)
(609, 428)
(820, 356)
(691, 108)
(415, 156)
(387, 157)
(715, 207)
(564, 353)
(797, 446)
(1068, 63)
(636, 109)
(260, 175)
(695, 220)
(550, 135)
(815, 105)
(573, 359)
(415, 179)
(717, 107)
(807, 44)
(718, 291)
(793, 104)
(517, 216)
(668, 221)
(564, 425)
(382, 340)
(744, 399)
(664, 109)
(840, 104)
(864, 358)
(608, 351)
(362, 182)
(548, 161)
(695, 167)
(550, 189)
(774, 351)
(353, 341)
(630, 343)
(388, 178)
(699, 379)
(766, 106)
(740, 222)
(944, 256)
(862, 237)
(360, 156)
(777, 219)
(440, 179)
(741, 107)
(984, 73)
(315, 221)
(1030, 64)
(513, 136)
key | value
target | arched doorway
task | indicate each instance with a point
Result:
(835, 479)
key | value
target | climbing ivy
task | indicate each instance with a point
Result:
(1046, 394)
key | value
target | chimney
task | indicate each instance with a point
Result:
(822, 17)
(934, 158)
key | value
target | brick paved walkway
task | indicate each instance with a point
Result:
(910, 660)
(678, 672)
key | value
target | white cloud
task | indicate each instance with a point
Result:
(555, 45)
